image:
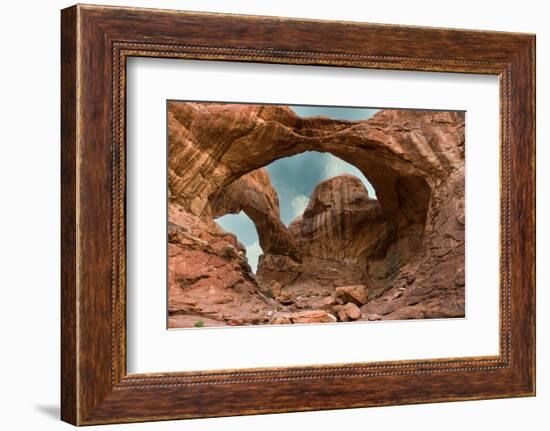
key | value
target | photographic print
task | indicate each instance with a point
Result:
(295, 214)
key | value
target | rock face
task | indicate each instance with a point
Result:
(254, 194)
(402, 254)
(332, 226)
(209, 279)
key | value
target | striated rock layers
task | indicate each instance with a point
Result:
(332, 225)
(348, 257)
(254, 194)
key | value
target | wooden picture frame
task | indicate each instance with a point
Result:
(96, 41)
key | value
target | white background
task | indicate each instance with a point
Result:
(29, 224)
(151, 348)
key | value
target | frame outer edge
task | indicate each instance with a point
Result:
(87, 399)
(531, 78)
(69, 202)
(533, 53)
(523, 217)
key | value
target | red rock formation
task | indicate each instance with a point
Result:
(355, 294)
(407, 247)
(254, 194)
(333, 224)
(209, 278)
(348, 312)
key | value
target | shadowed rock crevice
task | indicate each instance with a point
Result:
(405, 249)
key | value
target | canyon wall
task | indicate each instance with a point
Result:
(348, 257)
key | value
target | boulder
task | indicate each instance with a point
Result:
(356, 294)
(348, 312)
(312, 316)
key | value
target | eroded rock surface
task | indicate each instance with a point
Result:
(333, 224)
(254, 194)
(209, 279)
(405, 248)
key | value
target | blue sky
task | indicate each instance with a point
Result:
(294, 178)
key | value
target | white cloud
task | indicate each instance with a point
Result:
(253, 252)
(335, 166)
(299, 204)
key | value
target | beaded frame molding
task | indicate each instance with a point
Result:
(95, 43)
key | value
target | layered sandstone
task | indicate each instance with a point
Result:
(209, 279)
(406, 247)
(333, 224)
(255, 196)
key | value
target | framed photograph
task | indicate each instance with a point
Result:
(264, 215)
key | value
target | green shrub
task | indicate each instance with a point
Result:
(269, 292)
(199, 324)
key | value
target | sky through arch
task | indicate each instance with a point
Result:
(294, 178)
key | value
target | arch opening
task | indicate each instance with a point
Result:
(290, 185)
(246, 233)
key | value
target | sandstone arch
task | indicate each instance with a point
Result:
(414, 159)
(408, 156)
(254, 195)
(248, 137)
